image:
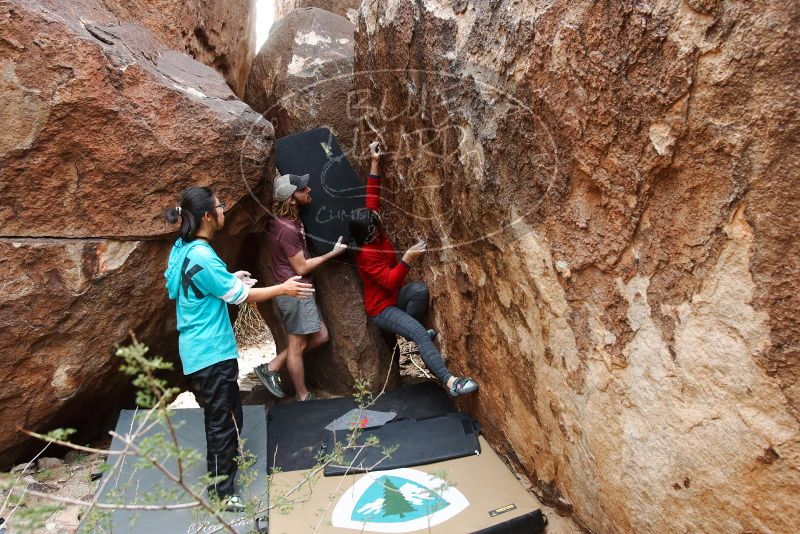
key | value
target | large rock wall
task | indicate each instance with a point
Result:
(101, 129)
(100, 117)
(220, 33)
(609, 190)
(345, 8)
(65, 303)
(302, 77)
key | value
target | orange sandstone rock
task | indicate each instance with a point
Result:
(647, 150)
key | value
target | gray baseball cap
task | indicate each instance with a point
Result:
(286, 184)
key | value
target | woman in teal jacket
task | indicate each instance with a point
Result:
(199, 281)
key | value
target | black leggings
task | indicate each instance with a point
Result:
(405, 320)
(222, 405)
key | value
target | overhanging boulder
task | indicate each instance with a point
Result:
(105, 126)
(102, 128)
(302, 77)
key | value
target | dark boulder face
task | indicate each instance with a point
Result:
(103, 127)
(606, 192)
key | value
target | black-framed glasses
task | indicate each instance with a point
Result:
(220, 205)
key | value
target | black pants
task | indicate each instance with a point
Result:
(406, 318)
(223, 416)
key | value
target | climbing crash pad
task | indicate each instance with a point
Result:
(127, 481)
(335, 189)
(297, 429)
(440, 498)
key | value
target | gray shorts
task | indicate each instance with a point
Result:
(299, 316)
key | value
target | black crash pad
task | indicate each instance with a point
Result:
(417, 442)
(297, 429)
(130, 482)
(335, 189)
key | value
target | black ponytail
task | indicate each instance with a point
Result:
(195, 202)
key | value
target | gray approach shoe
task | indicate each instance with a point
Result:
(271, 380)
(462, 386)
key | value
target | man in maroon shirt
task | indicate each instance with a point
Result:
(289, 257)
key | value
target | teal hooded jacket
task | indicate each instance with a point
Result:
(201, 286)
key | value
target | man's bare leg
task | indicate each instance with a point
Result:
(318, 338)
(294, 362)
(314, 340)
(278, 361)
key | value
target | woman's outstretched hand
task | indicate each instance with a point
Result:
(415, 251)
(244, 276)
(293, 288)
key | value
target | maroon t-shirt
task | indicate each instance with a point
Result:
(285, 239)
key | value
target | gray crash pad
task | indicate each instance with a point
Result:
(128, 481)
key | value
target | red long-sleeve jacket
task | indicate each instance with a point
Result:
(381, 274)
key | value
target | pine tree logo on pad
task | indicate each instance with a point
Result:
(400, 500)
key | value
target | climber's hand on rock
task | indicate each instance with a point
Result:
(416, 250)
(293, 288)
(375, 150)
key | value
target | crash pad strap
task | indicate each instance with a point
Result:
(530, 523)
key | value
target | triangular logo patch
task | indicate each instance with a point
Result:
(400, 500)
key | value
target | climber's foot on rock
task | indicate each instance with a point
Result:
(462, 386)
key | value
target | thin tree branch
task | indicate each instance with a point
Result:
(111, 506)
(167, 473)
(175, 442)
(68, 444)
(423, 371)
(104, 482)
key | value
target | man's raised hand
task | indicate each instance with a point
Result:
(339, 247)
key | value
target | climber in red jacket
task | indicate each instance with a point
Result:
(390, 304)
